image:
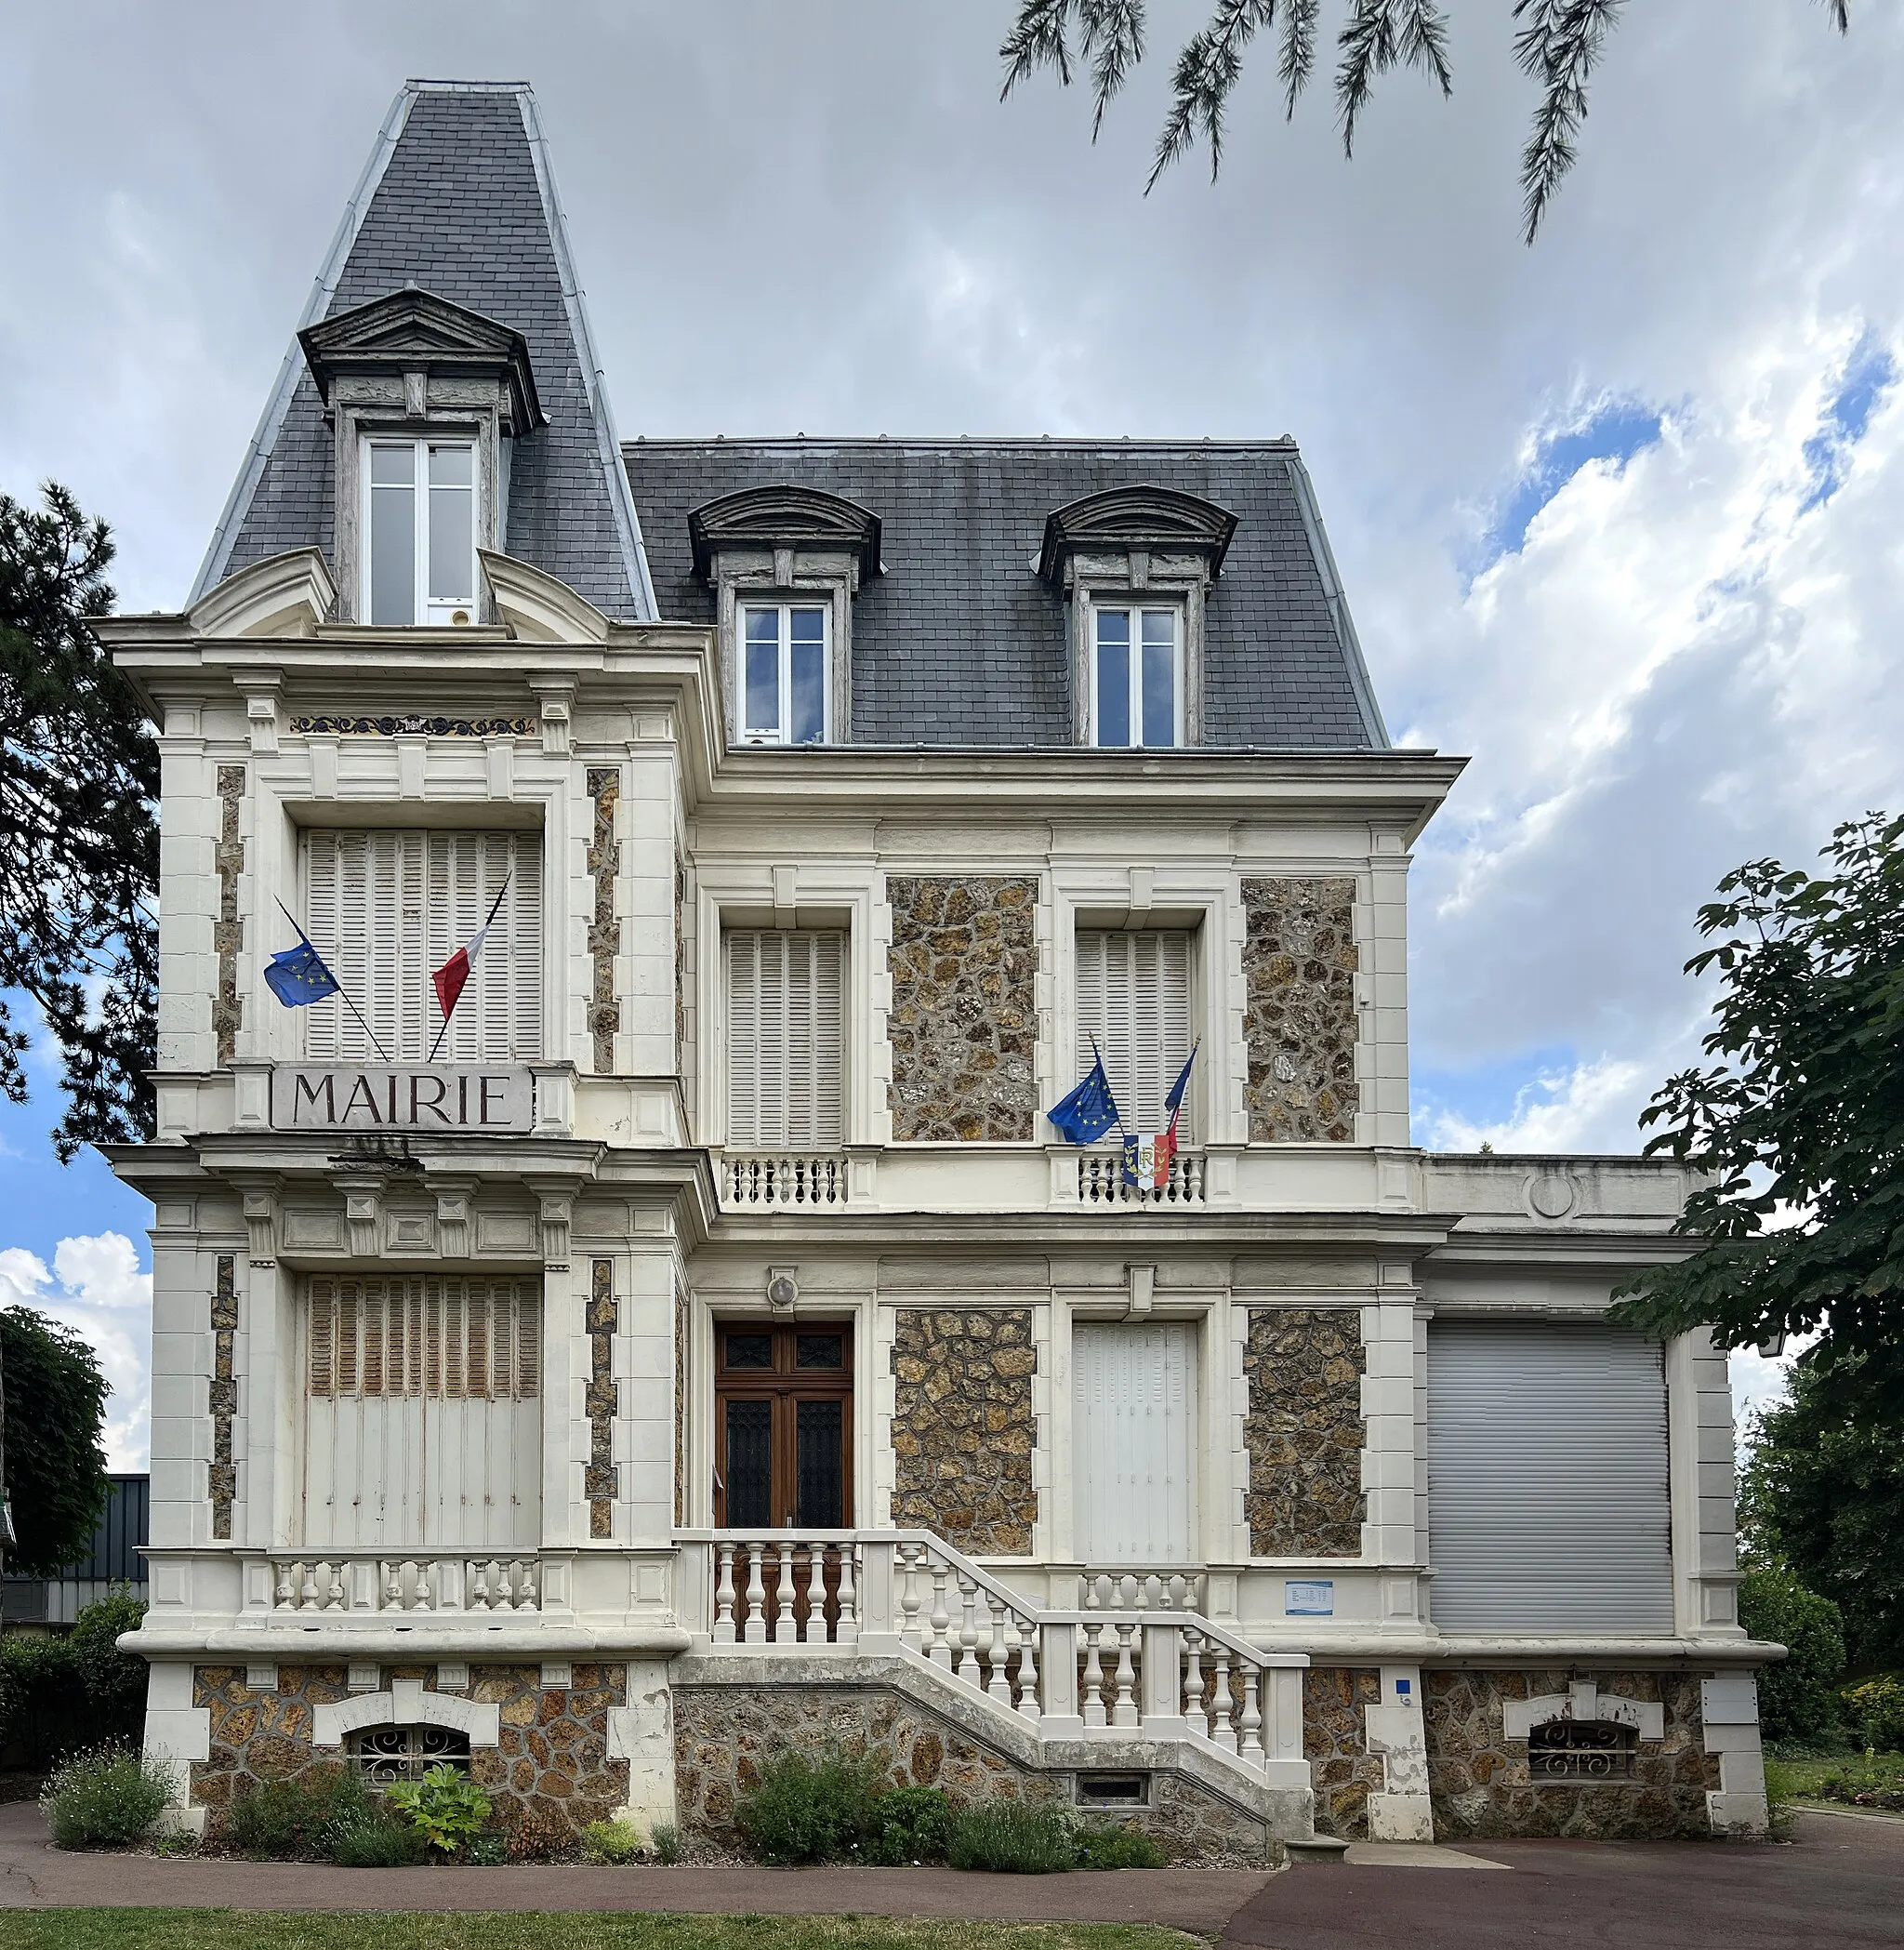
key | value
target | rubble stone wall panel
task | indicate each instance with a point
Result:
(1303, 1431)
(1335, 1743)
(1299, 1024)
(963, 1427)
(964, 1012)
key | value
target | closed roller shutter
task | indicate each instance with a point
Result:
(1133, 998)
(784, 1063)
(1548, 1506)
(1135, 1430)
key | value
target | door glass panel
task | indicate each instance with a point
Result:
(821, 1350)
(821, 1484)
(750, 1350)
(749, 1465)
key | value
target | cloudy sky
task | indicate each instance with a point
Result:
(1621, 516)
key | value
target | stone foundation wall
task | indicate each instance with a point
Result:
(723, 1736)
(1335, 1744)
(551, 1764)
(963, 1427)
(964, 1014)
(1298, 1021)
(1479, 1782)
(1304, 1432)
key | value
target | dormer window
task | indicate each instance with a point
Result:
(1136, 674)
(784, 686)
(419, 531)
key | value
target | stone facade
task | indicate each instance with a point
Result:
(964, 1013)
(1299, 1024)
(604, 931)
(1479, 1781)
(1303, 1431)
(725, 1734)
(1335, 1743)
(222, 1480)
(601, 1478)
(963, 1427)
(228, 931)
(550, 1768)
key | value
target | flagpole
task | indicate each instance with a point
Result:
(341, 989)
(494, 909)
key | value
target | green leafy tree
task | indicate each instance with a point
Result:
(1822, 1496)
(1798, 1697)
(1799, 1130)
(55, 1406)
(1557, 43)
(79, 844)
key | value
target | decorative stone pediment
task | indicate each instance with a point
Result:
(405, 1704)
(1163, 521)
(283, 595)
(417, 331)
(785, 517)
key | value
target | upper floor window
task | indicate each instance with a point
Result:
(783, 678)
(785, 1047)
(419, 530)
(387, 908)
(1136, 675)
(1134, 1003)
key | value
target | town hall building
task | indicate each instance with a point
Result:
(700, 1342)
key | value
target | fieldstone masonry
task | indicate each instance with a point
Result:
(1298, 1021)
(964, 1013)
(1304, 1432)
(963, 1427)
(1335, 1744)
(221, 1479)
(228, 931)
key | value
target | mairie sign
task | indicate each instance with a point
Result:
(426, 1099)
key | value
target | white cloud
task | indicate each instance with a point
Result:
(1589, 1107)
(94, 1286)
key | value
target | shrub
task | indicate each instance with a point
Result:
(106, 1799)
(379, 1842)
(907, 1824)
(1870, 1781)
(1100, 1846)
(297, 1820)
(610, 1844)
(61, 1695)
(448, 1807)
(1797, 1697)
(1014, 1838)
(490, 1850)
(809, 1810)
(1877, 1707)
(666, 1837)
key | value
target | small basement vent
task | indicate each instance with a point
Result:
(454, 1339)
(1114, 1790)
(1582, 1750)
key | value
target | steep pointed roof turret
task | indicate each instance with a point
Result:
(458, 200)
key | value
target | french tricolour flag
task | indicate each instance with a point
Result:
(1148, 1158)
(454, 975)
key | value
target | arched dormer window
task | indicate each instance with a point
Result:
(1136, 564)
(784, 563)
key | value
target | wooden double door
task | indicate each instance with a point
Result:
(782, 1426)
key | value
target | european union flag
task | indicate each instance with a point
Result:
(1091, 1111)
(298, 976)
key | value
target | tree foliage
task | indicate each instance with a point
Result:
(1556, 43)
(79, 848)
(1822, 1496)
(53, 1407)
(1798, 1697)
(1799, 1127)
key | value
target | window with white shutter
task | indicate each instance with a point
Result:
(785, 1062)
(387, 909)
(1133, 997)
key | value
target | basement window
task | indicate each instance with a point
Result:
(1114, 1790)
(385, 1756)
(1583, 1750)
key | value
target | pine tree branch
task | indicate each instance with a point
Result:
(1298, 62)
(1558, 51)
(1113, 41)
(1037, 40)
(1204, 77)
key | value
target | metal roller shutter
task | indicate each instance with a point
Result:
(1548, 1506)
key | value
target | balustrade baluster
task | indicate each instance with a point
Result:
(814, 1630)
(1094, 1715)
(1193, 1678)
(528, 1599)
(998, 1648)
(1251, 1745)
(1027, 1670)
(1124, 1709)
(724, 1595)
(968, 1632)
(940, 1650)
(478, 1589)
(1224, 1732)
(307, 1586)
(846, 1631)
(755, 1632)
(334, 1602)
(908, 1595)
(282, 1599)
(784, 1625)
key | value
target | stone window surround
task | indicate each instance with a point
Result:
(1181, 582)
(793, 575)
(816, 895)
(405, 1704)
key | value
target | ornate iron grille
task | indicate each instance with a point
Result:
(385, 1754)
(1582, 1750)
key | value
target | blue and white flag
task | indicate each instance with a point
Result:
(298, 975)
(1089, 1111)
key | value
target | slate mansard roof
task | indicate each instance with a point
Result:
(959, 641)
(459, 199)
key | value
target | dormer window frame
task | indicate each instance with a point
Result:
(1138, 607)
(789, 639)
(428, 608)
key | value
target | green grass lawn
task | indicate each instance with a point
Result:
(1849, 1774)
(243, 1930)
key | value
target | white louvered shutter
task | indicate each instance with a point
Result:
(1548, 1506)
(1133, 1425)
(1133, 996)
(387, 909)
(786, 1038)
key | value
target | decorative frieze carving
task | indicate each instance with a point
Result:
(411, 724)
(604, 931)
(963, 1427)
(964, 1021)
(1304, 1432)
(228, 931)
(223, 1476)
(600, 1480)
(1299, 1023)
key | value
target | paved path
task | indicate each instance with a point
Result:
(1840, 1883)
